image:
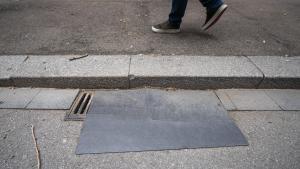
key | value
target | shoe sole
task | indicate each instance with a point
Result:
(215, 18)
(171, 31)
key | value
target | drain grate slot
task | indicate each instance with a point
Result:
(80, 107)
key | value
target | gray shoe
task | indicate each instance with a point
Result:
(166, 27)
(213, 15)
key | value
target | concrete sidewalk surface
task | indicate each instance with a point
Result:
(273, 143)
(269, 119)
(232, 99)
(133, 71)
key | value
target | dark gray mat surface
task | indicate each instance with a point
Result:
(150, 119)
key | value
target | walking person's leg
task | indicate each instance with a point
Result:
(177, 12)
(172, 25)
(214, 10)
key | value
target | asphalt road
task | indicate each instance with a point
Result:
(250, 27)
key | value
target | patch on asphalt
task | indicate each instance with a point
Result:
(150, 119)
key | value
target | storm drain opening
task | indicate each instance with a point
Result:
(80, 107)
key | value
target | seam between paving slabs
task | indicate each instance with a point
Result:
(129, 76)
(263, 78)
(27, 57)
(273, 100)
(235, 108)
(219, 99)
(26, 107)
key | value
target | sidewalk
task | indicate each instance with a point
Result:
(264, 116)
(102, 27)
(273, 138)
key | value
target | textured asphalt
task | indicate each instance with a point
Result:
(249, 27)
(273, 143)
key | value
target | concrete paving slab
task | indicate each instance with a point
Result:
(280, 72)
(193, 72)
(8, 66)
(286, 99)
(225, 100)
(273, 138)
(243, 99)
(53, 99)
(66, 72)
(17, 98)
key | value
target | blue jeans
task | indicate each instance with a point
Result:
(179, 6)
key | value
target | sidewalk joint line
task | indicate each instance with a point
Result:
(129, 76)
(215, 92)
(235, 106)
(263, 78)
(273, 100)
(219, 99)
(27, 57)
(26, 107)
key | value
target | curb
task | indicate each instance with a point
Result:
(125, 71)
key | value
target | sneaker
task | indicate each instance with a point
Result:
(166, 27)
(213, 15)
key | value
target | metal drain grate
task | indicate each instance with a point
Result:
(80, 107)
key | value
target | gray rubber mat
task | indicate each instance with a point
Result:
(150, 119)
